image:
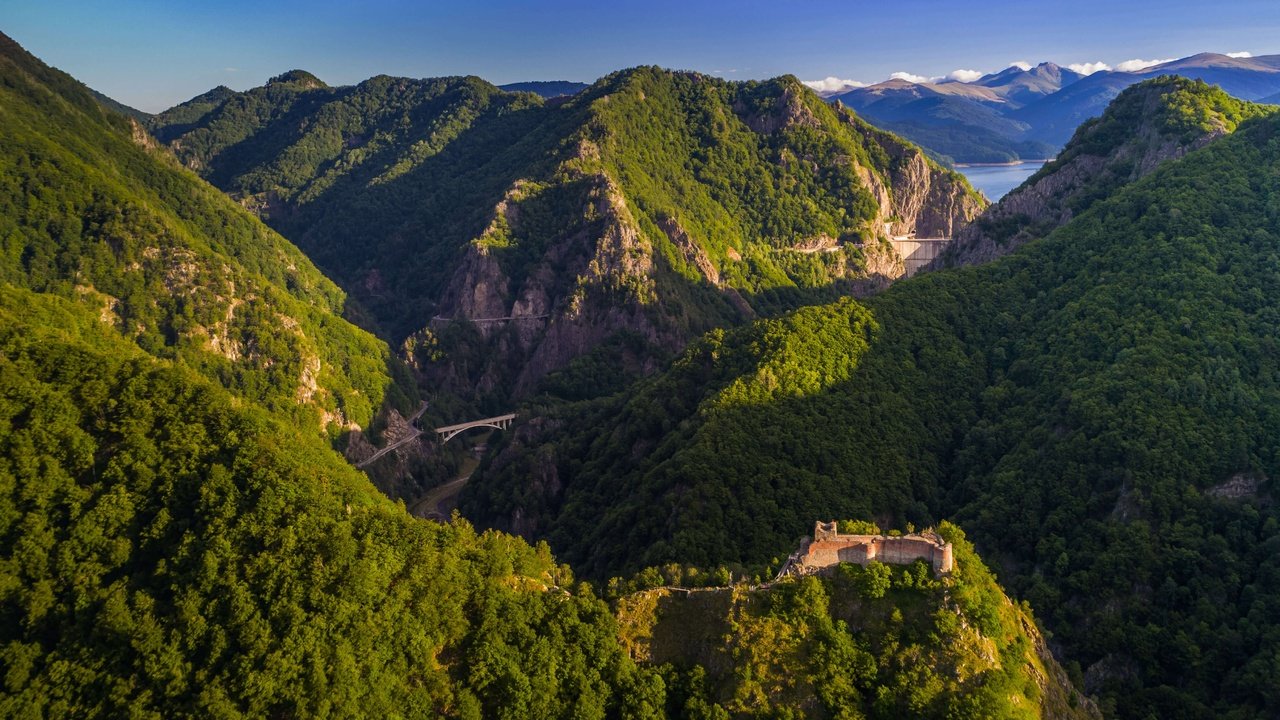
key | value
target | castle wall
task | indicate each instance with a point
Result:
(830, 548)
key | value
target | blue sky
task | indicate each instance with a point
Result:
(153, 54)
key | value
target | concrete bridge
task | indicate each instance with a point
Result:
(509, 318)
(448, 432)
(917, 252)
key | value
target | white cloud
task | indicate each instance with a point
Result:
(1022, 65)
(964, 75)
(1135, 65)
(909, 77)
(1241, 54)
(230, 69)
(833, 84)
(1089, 68)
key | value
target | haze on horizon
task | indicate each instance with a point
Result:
(152, 54)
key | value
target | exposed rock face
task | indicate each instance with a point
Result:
(600, 275)
(925, 200)
(479, 289)
(916, 196)
(789, 111)
(1238, 487)
(882, 264)
(593, 281)
(691, 250)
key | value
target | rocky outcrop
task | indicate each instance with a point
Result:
(405, 473)
(915, 195)
(787, 111)
(926, 200)
(593, 281)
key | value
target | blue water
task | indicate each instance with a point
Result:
(995, 181)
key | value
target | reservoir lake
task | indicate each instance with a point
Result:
(996, 180)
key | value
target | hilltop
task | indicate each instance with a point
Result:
(877, 642)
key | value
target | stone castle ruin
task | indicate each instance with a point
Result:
(829, 548)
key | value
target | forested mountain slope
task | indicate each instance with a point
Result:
(1098, 410)
(652, 206)
(169, 551)
(1147, 124)
(92, 211)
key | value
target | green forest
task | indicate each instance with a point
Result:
(88, 212)
(1096, 410)
(879, 641)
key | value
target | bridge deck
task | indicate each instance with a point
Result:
(474, 423)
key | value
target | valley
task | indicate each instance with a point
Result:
(662, 395)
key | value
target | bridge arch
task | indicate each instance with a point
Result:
(449, 432)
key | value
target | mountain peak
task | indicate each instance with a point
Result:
(298, 77)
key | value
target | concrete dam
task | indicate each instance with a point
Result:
(917, 252)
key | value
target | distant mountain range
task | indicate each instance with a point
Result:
(547, 88)
(1031, 112)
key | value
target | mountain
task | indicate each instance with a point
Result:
(547, 88)
(969, 122)
(119, 107)
(1036, 110)
(1054, 118)
(497, 238)
(177, 537)
(1146, 125)
(1023, 86)
(1097, 409)
(181, 118)
(172, 551)
(93, 211)
(966, 121)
